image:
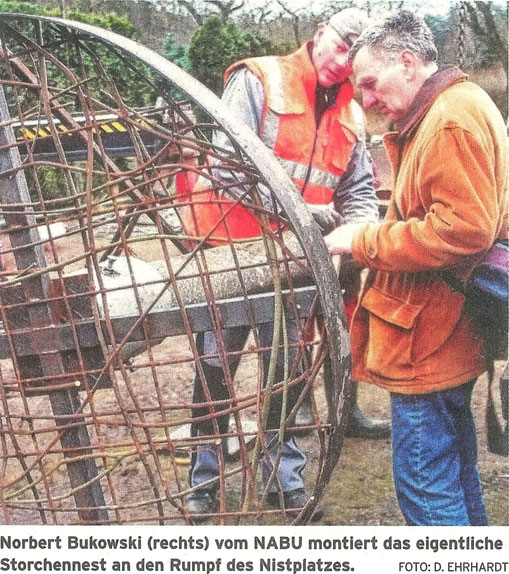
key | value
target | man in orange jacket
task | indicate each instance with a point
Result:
(410, 332)
(302, 107)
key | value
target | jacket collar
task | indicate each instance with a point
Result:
(430, 90)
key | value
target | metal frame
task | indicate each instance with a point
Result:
(48, 340)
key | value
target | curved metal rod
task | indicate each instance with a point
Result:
(279, 182)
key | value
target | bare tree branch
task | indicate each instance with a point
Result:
(482, 22)
(295, 18)
(192, 10)
(226, 9)
(493, 37)
(473, 19)
(258, 16)
(262, 13)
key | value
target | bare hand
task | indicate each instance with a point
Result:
(340, 240)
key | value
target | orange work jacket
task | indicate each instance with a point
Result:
(410, 332)
(315, 156)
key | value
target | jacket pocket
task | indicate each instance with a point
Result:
(390, 309)
(403, 334)
(438, 320)
(391, 323)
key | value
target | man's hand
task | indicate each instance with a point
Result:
(326, 217)
(341, 239)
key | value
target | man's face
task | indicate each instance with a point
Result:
(330, 57)
(387, 85)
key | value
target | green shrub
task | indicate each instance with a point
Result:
(216, 45)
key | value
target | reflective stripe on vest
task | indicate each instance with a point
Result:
(316, 176)
(315, 157)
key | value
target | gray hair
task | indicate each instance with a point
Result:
(402, 31)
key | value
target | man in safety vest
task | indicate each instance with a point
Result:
(301, 105)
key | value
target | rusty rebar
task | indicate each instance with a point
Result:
(124, 291)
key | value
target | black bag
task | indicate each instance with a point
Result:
(487, 299)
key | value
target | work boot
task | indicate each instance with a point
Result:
(294, 502)
(304, 416)
(359, 425)
(202, 502)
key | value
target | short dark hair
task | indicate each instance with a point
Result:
(402, 31)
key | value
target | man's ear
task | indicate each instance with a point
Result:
(319, 31)
(410, 62)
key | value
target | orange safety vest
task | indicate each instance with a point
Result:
(314, 156)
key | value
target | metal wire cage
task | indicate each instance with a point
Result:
(116, 304)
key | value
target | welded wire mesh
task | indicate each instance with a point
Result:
(114, 299)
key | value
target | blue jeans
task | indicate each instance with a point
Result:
(205, 462)
(291, 465)
(434, 451)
